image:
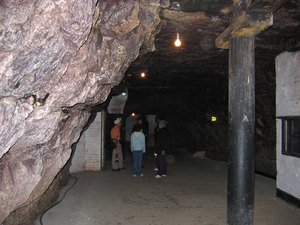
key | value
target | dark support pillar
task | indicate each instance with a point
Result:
(240, 196)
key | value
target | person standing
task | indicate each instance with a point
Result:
(156, 129)
(142, 121)
(117, 156)
(138, 148)
(163, 147)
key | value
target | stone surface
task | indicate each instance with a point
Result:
(89, 154)
(26, 214)
(288, 89)
(57, 59)
(193, 193)
(287, 104)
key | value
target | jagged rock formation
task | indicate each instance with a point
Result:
(57, 59)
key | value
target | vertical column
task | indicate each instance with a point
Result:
(103, 135)
(240, 196)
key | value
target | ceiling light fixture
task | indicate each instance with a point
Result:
(143, 75)
(177, 42)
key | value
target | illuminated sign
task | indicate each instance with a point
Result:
(213, 118)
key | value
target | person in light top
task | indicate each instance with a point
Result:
(138, 148)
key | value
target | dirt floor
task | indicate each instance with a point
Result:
(193, 193)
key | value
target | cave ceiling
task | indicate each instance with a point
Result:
(198, 63)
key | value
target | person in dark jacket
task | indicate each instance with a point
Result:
(163, 147)
(156, 129)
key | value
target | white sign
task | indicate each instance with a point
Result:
(116, 104)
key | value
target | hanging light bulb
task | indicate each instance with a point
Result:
(143, 75)
(177, 41)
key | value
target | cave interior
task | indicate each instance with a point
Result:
(59, 72)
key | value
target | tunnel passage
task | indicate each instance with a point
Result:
(60, 59)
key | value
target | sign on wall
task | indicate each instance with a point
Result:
(117, 104)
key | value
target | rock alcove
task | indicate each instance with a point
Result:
(59, 59)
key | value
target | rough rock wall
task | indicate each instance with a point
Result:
(27, 214)
(58, 58)
(265, 124)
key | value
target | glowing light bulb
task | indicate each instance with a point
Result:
(177, 42)
(123, 93)
(143, 74)
(132, 114)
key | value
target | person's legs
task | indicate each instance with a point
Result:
(120, 156)
(159, 164)
(139, 162)
(164, 165)
(156, 163)
(135, 156)
(114, 158)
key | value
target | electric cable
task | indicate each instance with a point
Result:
(56, 203)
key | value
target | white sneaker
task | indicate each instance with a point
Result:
(155, 169)
(134, 175)
(157, 176)
(141, 175)
(164, 175)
